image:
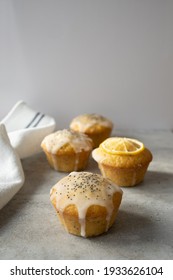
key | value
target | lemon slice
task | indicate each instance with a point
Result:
(122, 146)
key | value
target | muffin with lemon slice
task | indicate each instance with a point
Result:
(123, 160)
(97, 127)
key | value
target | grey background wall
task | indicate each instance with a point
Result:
(67, 57)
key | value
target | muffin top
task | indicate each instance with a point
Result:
(66, 141)
(90, 122)
(122, 152)
(84, 189)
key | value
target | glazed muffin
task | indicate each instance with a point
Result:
(97, 127)
(67, 150)
(86, 203)
(123, 160)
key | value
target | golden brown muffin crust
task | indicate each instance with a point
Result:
(66, 142)
(91, 123)
(122, 161)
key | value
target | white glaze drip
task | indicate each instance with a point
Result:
(84, 189)
(76, 162)
(57, 140)
(86, 121)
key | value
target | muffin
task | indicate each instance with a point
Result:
(86, 203)
(67, 150)
(123, 160)
(97, 127)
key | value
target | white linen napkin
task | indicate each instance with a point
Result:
(11, 171)
(21, 133)
(26, 128)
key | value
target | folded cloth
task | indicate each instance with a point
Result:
(11, 172)
(26, 128)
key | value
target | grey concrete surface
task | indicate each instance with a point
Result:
(29, 228)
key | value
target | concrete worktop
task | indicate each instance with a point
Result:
(29, 228)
